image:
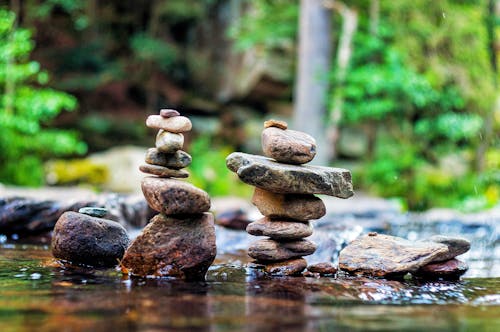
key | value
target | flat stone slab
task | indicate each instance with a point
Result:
(293, 206)
(176, 247)
(456, 246)
(272, 176)
(280, 230)
(384, 255)
(270, 250)
(163, 172)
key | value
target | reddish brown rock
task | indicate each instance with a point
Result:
(168, 113)
(175, 124)
(176, 247)
(290, 267)
(322, 268)
(270, 250)
(168, 142)
(456, 246)
(82, 239)
(171, 196)
(276, 123)
(294, 206)
(280, 230)
(451, 269)
(163, 172)
(385, 255)
(288, 146)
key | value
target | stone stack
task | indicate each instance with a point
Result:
(180, 240)
(285, 195)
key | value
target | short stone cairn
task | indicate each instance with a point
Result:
(285, 195)
(180, 240)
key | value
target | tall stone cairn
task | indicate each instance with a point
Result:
(180, 240)
(285, 194)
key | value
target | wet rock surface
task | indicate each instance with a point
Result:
(290, 267)
(294, 206)
(451, 269)
(82, 239)
(173, 197)
(177, 160)
(280, 230)
(177, 247)
(270, 250)
(288, 146)
(322, 269)
(384, 255)
(269, 175)
(456, 245)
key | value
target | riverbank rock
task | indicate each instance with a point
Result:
(450, 270)
(288, 146)
(176, 247)
(270, 250)
(82, 239)
(173, 197)
(294, 206)
(290, 267)
(384, 255)
(290, 179)
(280, 230)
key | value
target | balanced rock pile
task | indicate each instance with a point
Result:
(180, 240)
(390, 256)
(284, 194)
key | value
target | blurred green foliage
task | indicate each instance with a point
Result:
(26, 108)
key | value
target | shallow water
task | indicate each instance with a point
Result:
(36, 294)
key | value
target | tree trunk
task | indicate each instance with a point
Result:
(313, 66)
(344, 54)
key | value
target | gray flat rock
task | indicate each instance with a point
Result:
(269, 175)
(456, 246)
(270, 250)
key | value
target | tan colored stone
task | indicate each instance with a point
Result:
(275, 123)
(163, 172)
(294, 206)
(168, 142)
(288, 146)
(271, 250)
(175, 124)
(280, 230)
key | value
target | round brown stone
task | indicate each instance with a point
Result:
(286, 268)
(176, 247)
(451, 269)
(163, 172)
(276, 123)
(294, 206)
(177, 160)
(169, 113)
(280, 230)
(176, 124)
(288, 146)
(322, 268)
(171, 196)
(271, 250)
(168, 142)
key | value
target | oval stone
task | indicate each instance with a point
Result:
(322, 268)
(177, 160)
(163, 172)
(175, 124)
(172, 196)
(168, 113)
(288, 146)
(451, 269)
(168, 142)
(280, 230)
(294, 206)
(286, 268)
(270, 250)
(82, 239)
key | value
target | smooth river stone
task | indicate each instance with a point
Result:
(172, 196)
(163, 172)
(82, 239)
(288, 146)
(177, 160)
(451, 269)
(93, 211)
(456, 246)
(322, 268)
(276, 123)
(168, 113)
(294, 206)
(384, 255)
(168, 142)
(176, 247)
(290, 267)
(280, 230)
(270, 250)
(269, 175)
(175, 124)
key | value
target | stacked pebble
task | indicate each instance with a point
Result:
(287, 211)
(180, 241)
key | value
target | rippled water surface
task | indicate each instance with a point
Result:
(38, 295)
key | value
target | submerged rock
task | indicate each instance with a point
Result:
(280, 230)
(288, 146)
(384, 255)
(290, 179)
(83, 239)
(451, 269)
(294, 206)
(270, 250)
(177, 247)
